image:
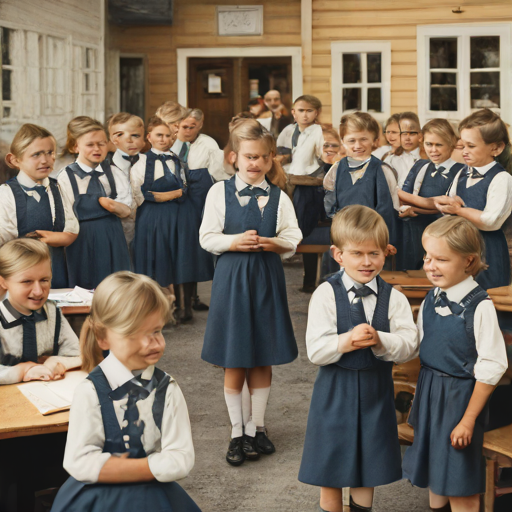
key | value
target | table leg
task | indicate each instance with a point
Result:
(490, 479)
(318, 268)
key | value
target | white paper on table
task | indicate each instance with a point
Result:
(76, 296)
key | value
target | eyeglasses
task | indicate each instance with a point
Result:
(392, 133)
(409, 133)
(333, 146)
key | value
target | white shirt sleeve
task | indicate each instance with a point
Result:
(499, 202)
(216, 165)
(71, 224)
(287, 225)
(393, 186)
(330, 178)
(492, 360)
(285, 137)
(124, 190)
(176, 459)
(8, 219)
(137, 175)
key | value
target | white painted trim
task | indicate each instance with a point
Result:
(340, 47)
(183, 54)
(463, 32)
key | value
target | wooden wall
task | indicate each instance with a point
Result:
(195, 26)
(390, 20)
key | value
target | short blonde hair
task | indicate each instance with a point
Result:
(20, 254)
(171, 112)
(309, 99)
(121, 303)
(357, 224)
(443, 129)
(359, 122)
(462, 237)
(27, 134)
(124, 117)
(79, 126)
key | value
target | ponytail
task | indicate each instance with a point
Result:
(90, 351)
(505, 158)
(276, 175)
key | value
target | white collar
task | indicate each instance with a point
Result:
(457, 292)
(86, 168)
(121, 152)
(25, 180)
(354, 164)
(415, 153)
(485, 168)
(158, 152)
(447, 164)
(349, 283)
(240, 184)
(117, 374)
(119, 161)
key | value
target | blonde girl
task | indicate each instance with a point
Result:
(36, 340)
(129, 421)
(101, 196)
(31, 204)
(249, 223)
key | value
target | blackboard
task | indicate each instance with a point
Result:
(140, 12)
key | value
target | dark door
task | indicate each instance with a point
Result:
(132, 80)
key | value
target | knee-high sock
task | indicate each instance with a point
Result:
(234, 403)
(259, 399)
(246, 403)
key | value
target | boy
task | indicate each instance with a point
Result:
(361, 178)
(357, 326)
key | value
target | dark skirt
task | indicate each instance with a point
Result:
(498, 259)
(99, 250)
(155, 496)
(439, 405)
(351, 436)
(412, 252)
(156, 237)
(249, 322)
(59, 268)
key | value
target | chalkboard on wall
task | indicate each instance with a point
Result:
(140, 12)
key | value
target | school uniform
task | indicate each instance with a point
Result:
(403, 163)
(266, 122)
(249, 322)
(425, 179)
(381, 151)
(351, 436)
(370, 183)
(23, 338)
(26, 206)
(491, 192)
(100, 248)
(116, 411)
(461, 343)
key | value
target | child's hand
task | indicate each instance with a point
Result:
(107, 203)
(272, 245)
(361, 337)
(246, 242)
(407, 212)
(55, 366)
(462, 434)
(38, 372)
(448, 205)
(163, 197)
(49, 237)
(59, 371)
(390, 250)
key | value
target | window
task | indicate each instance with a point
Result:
(463, 68)
(6, 41)
(361, 76)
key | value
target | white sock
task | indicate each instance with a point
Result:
(259, 399)
(234, 403)
(246, 404)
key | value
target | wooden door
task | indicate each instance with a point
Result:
(211, 88)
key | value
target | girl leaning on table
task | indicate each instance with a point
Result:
(36, 340)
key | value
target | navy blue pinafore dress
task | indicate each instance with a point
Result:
(351, 436)
(496, 248)
(33, 215)
(100, 249)
(445, 385)
(75, 496)
(434, 184)
(371, 190)
(249, 322)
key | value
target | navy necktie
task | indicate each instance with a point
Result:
(295, 136)
(133, 159)
(473, 173)
(184, 152)
(253, 218)
(435, 171)
(357, 314)
(40, 189)
(442, 300)
(29, 336)
(95, 187)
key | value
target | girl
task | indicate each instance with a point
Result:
(392, 136)
(482, 191)
(463, 357)
(31, 204)
(248, 222)
(426, 180)
(333, 149)
(129, 421)
(101, 195)
(36, 340)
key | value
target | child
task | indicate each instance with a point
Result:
(101, 195)
(357, 326)
(36, 340)
(333, 150)
(392, 136)
(426, 180)
(129, 436)
(410, 140)
(482, 191)
(249, 223)
(31, 204)
(463, 357)
(361, 178)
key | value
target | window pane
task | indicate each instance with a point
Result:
(485, 90)
(485, 52)
(374, 100)
(6, 84)
(374, 67)
(87, 84)
(7, 112)
(443, 98)
(352, 99)
(351, 68)
(6, 46)
(443, 78)
(443, 53)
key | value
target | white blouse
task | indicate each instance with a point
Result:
(205, 153)
(323, 341)
(492, 360)
(211, 232)
(448, 164)
(170, 452)
(403, 163)
(8, 218)
(499, 197)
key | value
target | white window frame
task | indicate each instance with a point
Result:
(463, 33)
(338, 48)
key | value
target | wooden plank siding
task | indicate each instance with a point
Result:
(391, 20)
(195, 26)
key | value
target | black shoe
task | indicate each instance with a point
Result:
(308, 288)
(354, 507)
(265, 445)
(250, 448)
(185, 316)
(235, 455)
(197, 305)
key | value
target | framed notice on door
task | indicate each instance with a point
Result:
(214, 84)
